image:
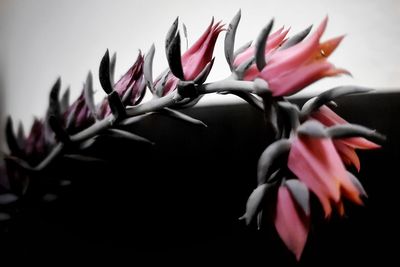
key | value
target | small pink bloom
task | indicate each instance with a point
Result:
(346, 147)
(196, 57)
(291, 223)
(78, 115)
(316, 162)
(131, 80)
(290, 70)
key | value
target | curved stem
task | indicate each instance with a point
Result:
(227, 85)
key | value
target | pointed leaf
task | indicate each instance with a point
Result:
(229, 43)
(159, 88)
(242, 68)
(296, 38)
(171, 34)
(104, 74)
(127, 96)
(113, 61)
(300, 194)
(88, 93)
(133, 120)
(148, 67)
(116, 105)
(121, 134)
(292, 111)
(327, 96)
(185, 34)
(202, 77)
(270, 158)
(312, 128)
(255, 201)
(357, 184)
(242, 49)
(54, 103)
(182, 117)
(354, 130)
(64, 102)
(260, 46)
(174, 57)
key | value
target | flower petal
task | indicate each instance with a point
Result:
(290, 223)
(348, 154)
(295, 56)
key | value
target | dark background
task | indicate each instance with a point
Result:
(179, 201)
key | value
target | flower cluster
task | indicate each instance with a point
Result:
(311, 154)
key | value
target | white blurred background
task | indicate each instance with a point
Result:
(42, 39)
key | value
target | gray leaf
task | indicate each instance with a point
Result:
(202, 77)
(254, 202)
(312, 128)
(242, 49)
(260, 46)
(121, 134)
(272, 155)
(185, 34)
(182, 117)
(88, 93)
(174, 57)
(113, 62)
(54, 102)
(64, 102)
(296, 38)
(300, 193)
(229, 43)
(329, 95)
(171, 34)
(104, 74)
(354, 130)
(148, 67)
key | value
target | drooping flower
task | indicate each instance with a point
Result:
(291, 223)
(196, 58)
(132, 81)
(316, 162)
(289, 70)
(346, 147)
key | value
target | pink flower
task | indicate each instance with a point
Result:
(346, 147)
(195, 59)
(131, 80)
(316, 162)
(290, 70)
(291, 223)
(78, 115)
(273, 42)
